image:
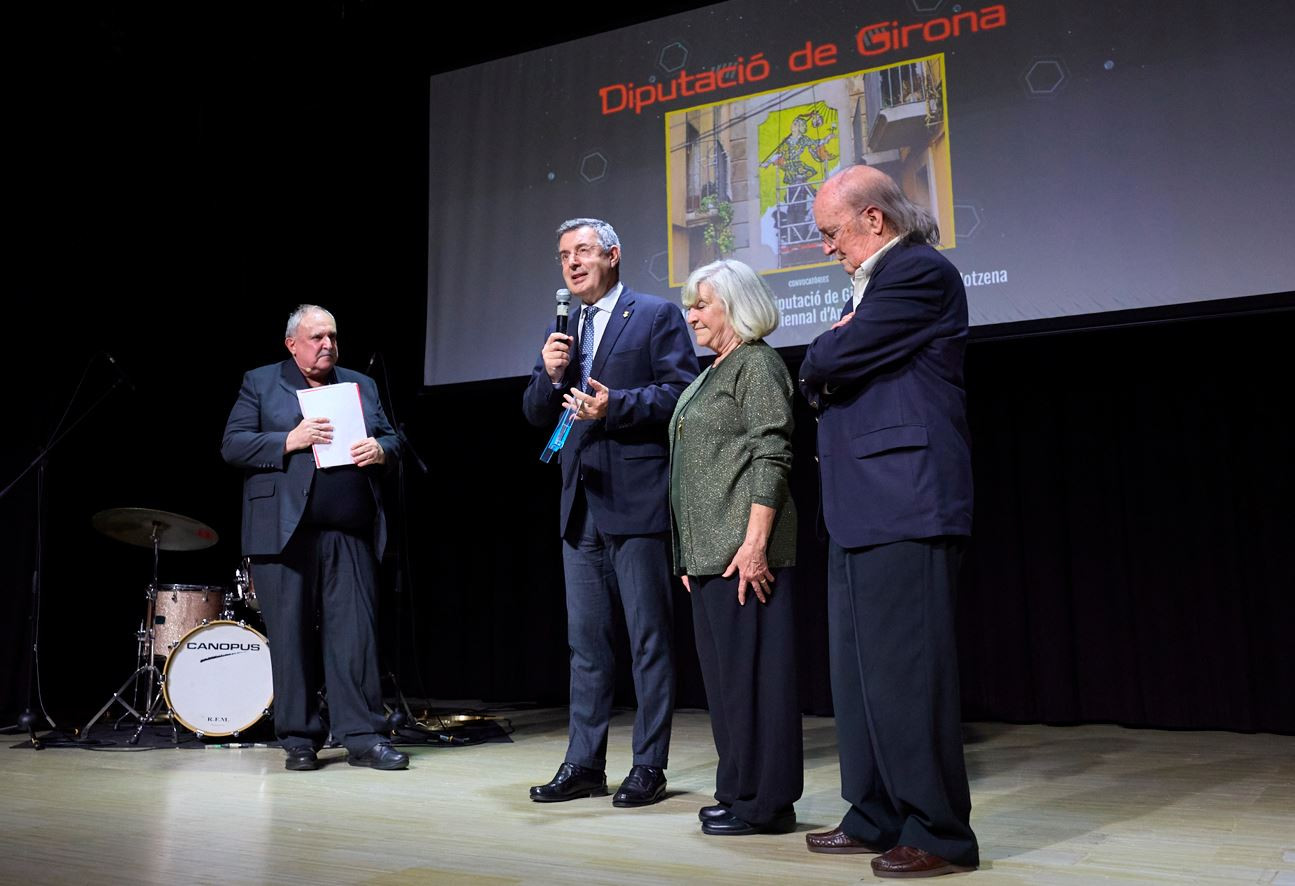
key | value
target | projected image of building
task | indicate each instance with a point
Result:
(743, 174)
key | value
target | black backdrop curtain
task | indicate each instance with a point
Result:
(1133, 522)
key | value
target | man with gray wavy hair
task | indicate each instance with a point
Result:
(621, 371)
(895, 456)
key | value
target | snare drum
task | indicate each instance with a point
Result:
(218, 679)
(178, 609)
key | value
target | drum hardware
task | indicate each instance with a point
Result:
(160, 531)
(200, 691)
(244, 587)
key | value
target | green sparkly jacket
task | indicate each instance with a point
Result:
(730, 446)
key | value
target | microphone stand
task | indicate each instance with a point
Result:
(402, 716)
(28, 719)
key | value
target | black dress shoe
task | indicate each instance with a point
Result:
(706, 813)
(644, 786)
(571, 783)
(729, 825)
(380, 756)
(301, 760)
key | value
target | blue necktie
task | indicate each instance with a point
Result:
(587, 346)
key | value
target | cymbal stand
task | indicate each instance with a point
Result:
(151, 714)
(147, 664)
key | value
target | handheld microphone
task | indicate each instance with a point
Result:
(564, 309)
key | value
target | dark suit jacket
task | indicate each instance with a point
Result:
(646, 359)
(276, 485)
(893, 443)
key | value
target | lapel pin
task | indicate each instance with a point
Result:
(626, 315)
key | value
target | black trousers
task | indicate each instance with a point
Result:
(325, 578)
(894, 663)
(748, 661)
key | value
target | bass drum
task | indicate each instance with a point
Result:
(218, 680)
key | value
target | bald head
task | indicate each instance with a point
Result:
(860, 209)
(856, 186)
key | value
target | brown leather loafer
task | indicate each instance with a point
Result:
(906, 861)
(838, 842)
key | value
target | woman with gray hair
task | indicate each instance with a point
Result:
(734, 538)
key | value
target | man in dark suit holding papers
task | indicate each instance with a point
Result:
(895, 457)
(314, 536)
(622, 370)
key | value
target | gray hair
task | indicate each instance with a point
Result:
(295, 318)
(909, 221)
(606, 233)
(746, 297)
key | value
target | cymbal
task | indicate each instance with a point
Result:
(136, 526)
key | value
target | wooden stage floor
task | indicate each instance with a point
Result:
(1052, 805)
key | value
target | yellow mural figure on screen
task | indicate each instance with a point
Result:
(798, 145)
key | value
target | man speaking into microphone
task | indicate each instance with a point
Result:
(622, 367)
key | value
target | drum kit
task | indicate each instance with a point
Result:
(201, 665)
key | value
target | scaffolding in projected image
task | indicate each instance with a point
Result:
(743, 174)
(800, 162)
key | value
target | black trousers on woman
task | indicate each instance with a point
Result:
(748, 660)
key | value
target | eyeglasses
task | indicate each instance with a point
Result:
(829, 237)
(584, 252)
